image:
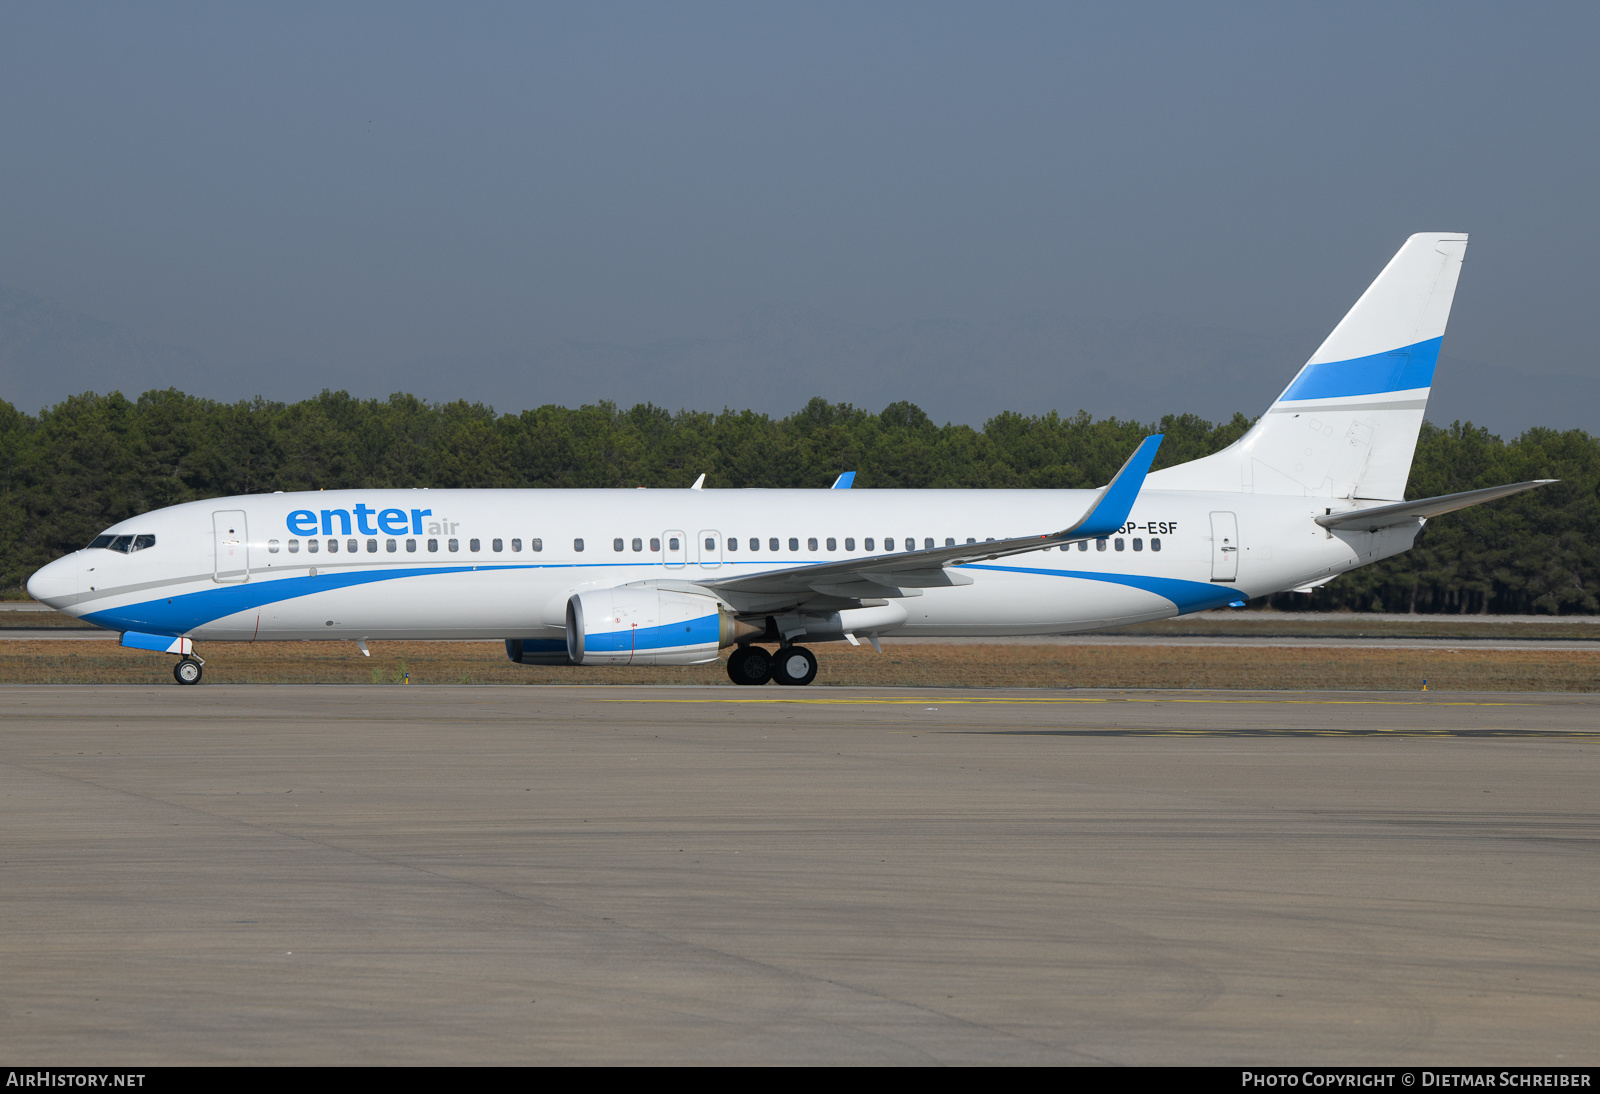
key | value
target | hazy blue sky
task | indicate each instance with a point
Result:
(331, 194)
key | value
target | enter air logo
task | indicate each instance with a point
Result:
(394, 522)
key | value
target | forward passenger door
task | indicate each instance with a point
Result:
(232, 540)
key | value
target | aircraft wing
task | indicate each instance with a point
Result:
(893, 574)
(1387, 516)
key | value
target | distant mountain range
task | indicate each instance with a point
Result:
(774, 359)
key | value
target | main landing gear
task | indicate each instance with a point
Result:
(187, 670)
(795, 666)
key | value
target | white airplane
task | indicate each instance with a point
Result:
(673, 577)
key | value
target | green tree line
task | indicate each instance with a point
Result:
(96, 459)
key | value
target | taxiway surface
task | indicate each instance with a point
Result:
(575, 874)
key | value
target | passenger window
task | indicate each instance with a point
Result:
(672, 543)
(1083, 545)
(655, 543)
(772, 544)
(950, 541)
(638, 544)
(472, 545)
(1155, 544)
(811, 544)
(927, 544)
(454, 545)
(849, 544)
(536, 544)
(794, 543)
(294, 546)
(833, 544)
(866, 544)
(616, 545)
(352, 546)
(411, 546)
(313, 545)
(333, 546)
(1099, 545)
(733, 543)
(711, 544)
(433, 546)
(888, 543)
(391, 546)
(971, 540)
(1138, 544)
(498, 545)
(516, 546)
(755, 544)
(577, 545)
(272, 546)
(372, 546)
(1120, 544)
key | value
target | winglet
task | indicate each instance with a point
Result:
(845, 480)
(1111, 509)
(698, 483)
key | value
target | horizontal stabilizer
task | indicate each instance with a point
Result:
(1387, 516)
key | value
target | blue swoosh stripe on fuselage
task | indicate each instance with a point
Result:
(1189, 596)
(183, 613)
(1402, 369)
(695, 632)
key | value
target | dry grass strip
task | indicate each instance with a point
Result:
(921, 665)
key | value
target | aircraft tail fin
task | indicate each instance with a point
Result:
(1347, 425)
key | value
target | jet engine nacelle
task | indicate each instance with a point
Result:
(631, 625)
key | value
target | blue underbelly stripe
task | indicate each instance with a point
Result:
(1189, 596)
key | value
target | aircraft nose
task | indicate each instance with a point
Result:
(56, 583)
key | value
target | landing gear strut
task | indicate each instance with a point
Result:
(187, 671)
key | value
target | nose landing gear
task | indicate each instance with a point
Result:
(187, 670)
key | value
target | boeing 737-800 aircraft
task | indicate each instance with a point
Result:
(673, 577)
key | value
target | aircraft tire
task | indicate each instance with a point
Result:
(186, 671)
(794, 666)
(750, 665)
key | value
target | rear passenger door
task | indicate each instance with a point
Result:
(1224, 547)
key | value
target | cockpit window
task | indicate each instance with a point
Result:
(126, 544)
